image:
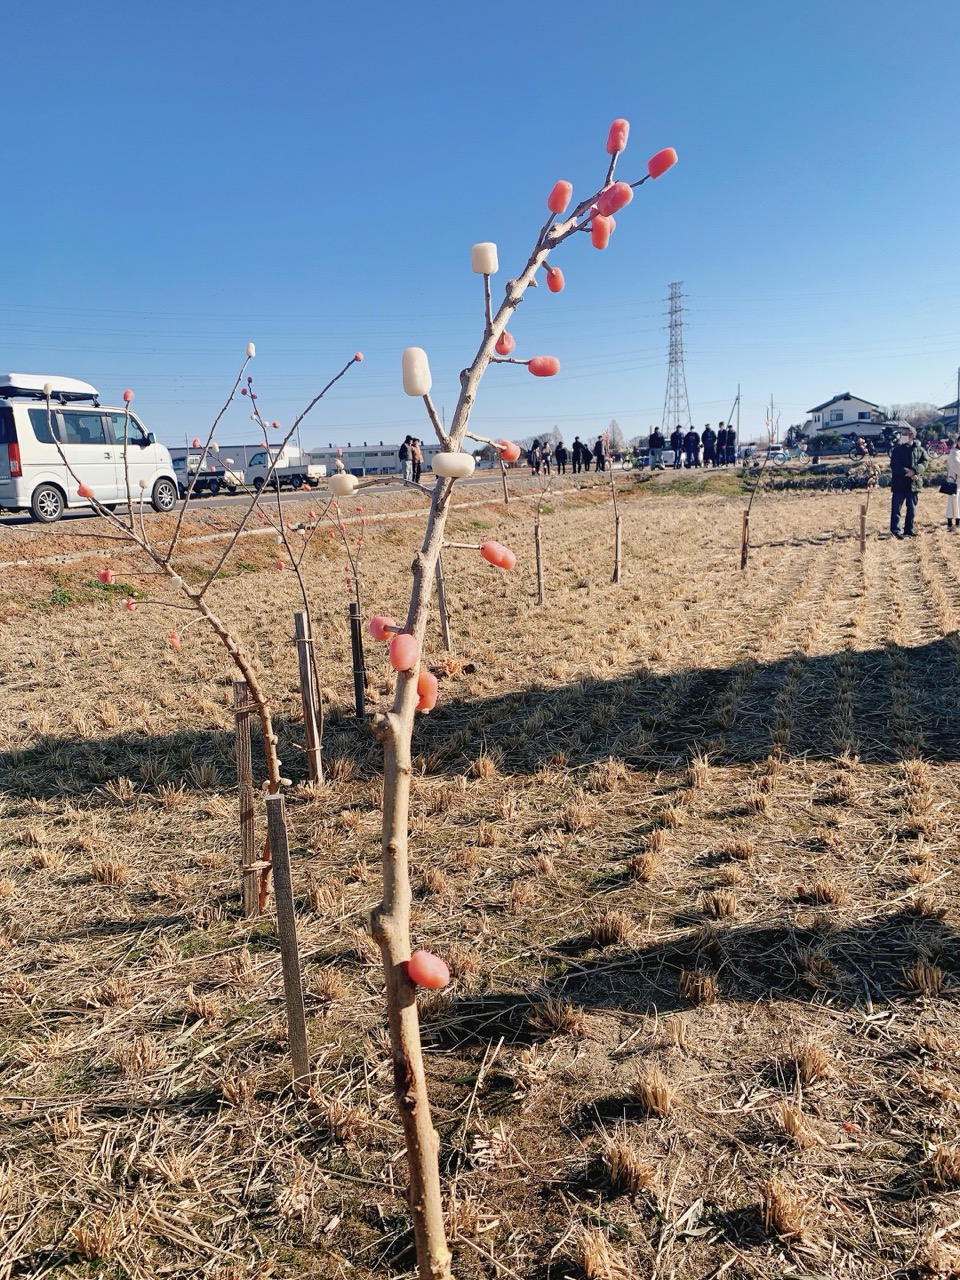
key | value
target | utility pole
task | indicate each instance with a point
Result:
(676, 402)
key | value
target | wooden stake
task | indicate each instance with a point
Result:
(863, 528)
(442, 606)
(503, 477)
(745, 540)
(308, 694)
(359, 672)
(617, 559)
(243, 709)
(538, 545)
(289, 950)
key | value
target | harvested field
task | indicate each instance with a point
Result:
(687, 843)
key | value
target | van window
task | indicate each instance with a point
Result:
(42, 422)
(8, 432)
(258, 460)
(83, 428)
(135, 433)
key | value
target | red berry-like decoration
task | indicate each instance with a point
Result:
(509, 451)
(243, 391)
(404, 651)
(130, 604)
(661, 162)
(614, 198)
(127, 396)
(175, 641)
(555, 280)
(381, 627)
(358, 356)
(84, 491)
(617, 137)
(544, 366)
(559, 197)
(601, 229)
(428, 686)
(107, 576)
(505, 343)
(427, 970)
(496, 553)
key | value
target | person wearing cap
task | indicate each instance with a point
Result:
(908, 461)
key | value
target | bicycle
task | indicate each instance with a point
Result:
(785, 455)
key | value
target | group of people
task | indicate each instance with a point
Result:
(908, 461)
(542, 457)
(692, 448)
(410, 454)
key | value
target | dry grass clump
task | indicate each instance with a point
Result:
(609, 775)
(653, 1092)
(672, 816)
(926, 906)
(675, 1031)
(740, 849)
(523, 894)
(115, 992)
(596, 1258)
(239, 1089)
(626, 1169)
(643, 866)
(111, 871)
(240, 971)
(46, 859)
(793, 1122)
(759, 802)
(817, 967)
(719, 904)
(698, 771)
(559, 1017)
(327, 986)
(487, 835)
(809, 1060)
(97, 1237)
(946, 1166)
(202, 1006)
(824, 892)
(327, 898)
(544, 864)
(655, 841)
(434, 881)
(925, 978)
(576, 817)
(609, 927)
(698, 986)
(142, 1056)
(785, 1212)
(731, 875)
(485, 767)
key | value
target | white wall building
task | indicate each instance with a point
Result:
(845, 413)
(369, 459)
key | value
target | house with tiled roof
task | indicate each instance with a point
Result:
(844, 413)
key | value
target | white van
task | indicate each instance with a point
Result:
(33, 474)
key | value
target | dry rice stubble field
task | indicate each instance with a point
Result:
(688, 844)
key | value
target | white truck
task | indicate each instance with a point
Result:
(209, 480)
(291, 468)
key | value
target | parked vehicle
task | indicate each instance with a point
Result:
(209, 481)
(47, 453)
(291, 468)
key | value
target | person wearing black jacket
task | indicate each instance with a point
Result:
(722, 445)
(709, 439)
(691, 443)
(600, 454)
(560, 453)
(676, 444)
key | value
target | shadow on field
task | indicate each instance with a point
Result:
(877, 960)
(901, 702)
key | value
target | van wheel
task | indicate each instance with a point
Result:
(258, 483)
(164, 495)
(296, 482)
(47, 503)
(213, 488)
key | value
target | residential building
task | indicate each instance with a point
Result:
(845, 413)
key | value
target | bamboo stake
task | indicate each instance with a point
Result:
(308, 694)
(863, 528)
(745, 540)
(289, 950)
(617, 559)
(243, 708)
(359, 672)
(503, 477)
(538, 546)
(442, 607)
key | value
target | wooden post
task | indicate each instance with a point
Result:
(442, 605)
(359, 672)
(745, 540)
(503, 477)
(617, 559)
(243, 709)
(289, 950)
(538, 547)
(308, 694)
(863, 528)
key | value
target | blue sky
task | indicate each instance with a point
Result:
(184, 178)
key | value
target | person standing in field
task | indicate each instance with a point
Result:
(546, 460)
(576, 454)
(908, 461)
(406, 459)
(721, 445)
(560, 453)
(709, 439)
(731, 446)
(416, 457)
(600, 454)
(953, 477)
(676, 444)
(691, 442)
(656, 445)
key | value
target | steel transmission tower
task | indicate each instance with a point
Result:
(676, 403)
